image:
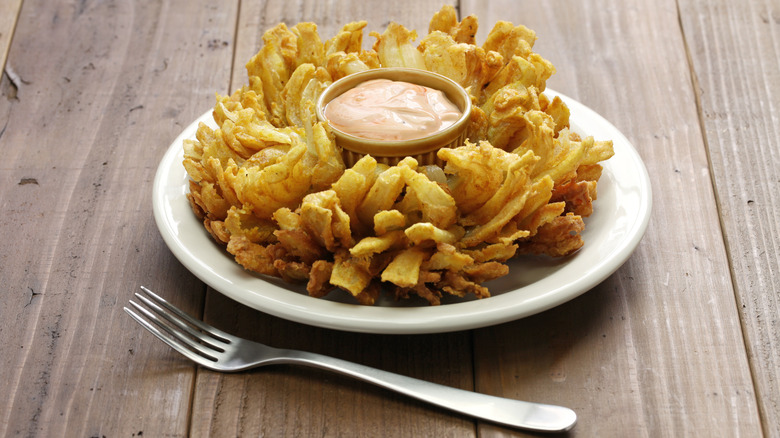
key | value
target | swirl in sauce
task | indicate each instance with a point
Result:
(382, 109)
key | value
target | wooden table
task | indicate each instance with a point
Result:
(683, 340)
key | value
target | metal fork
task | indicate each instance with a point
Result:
(216, 350)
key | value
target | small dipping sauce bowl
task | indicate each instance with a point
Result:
(390, 152)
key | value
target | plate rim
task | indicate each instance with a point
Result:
(390, 320)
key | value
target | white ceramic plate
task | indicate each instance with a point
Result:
(534, 284)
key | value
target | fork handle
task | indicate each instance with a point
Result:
(516, 413)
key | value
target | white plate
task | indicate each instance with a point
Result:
(534, 284)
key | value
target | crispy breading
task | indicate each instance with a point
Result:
(305, 85)
(300, 244)
(559, 237)
(477, 171)
(482, 272)
(530, 72)
(404, 270)
(340, 64)
(243, 222)
(251, 256)
(510, 40)
(319, 279)
(576, 195)
(268, 182)
(458, 285)
(310, 48)
(324, 220)
(348, 39)
(470, 66)
(446, 20)
(447, 257)
(349, 274)
(274, 64)
(395, 47)
(435, 205)
(389, 220)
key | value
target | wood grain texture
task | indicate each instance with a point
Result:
(735, 53)
(84, 135)
(296, 401)
(661, 337)
(681, 341)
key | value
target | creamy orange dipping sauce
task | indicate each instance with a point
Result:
(382, 109)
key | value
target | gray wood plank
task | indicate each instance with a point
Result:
(106, 88)
(734, 53)
(657, 349)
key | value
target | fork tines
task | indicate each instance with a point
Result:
(180, 331)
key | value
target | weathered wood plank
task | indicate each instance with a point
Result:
(734, 51)
(295, 401)
(106, 87)
(661, 338)
(657, 349)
